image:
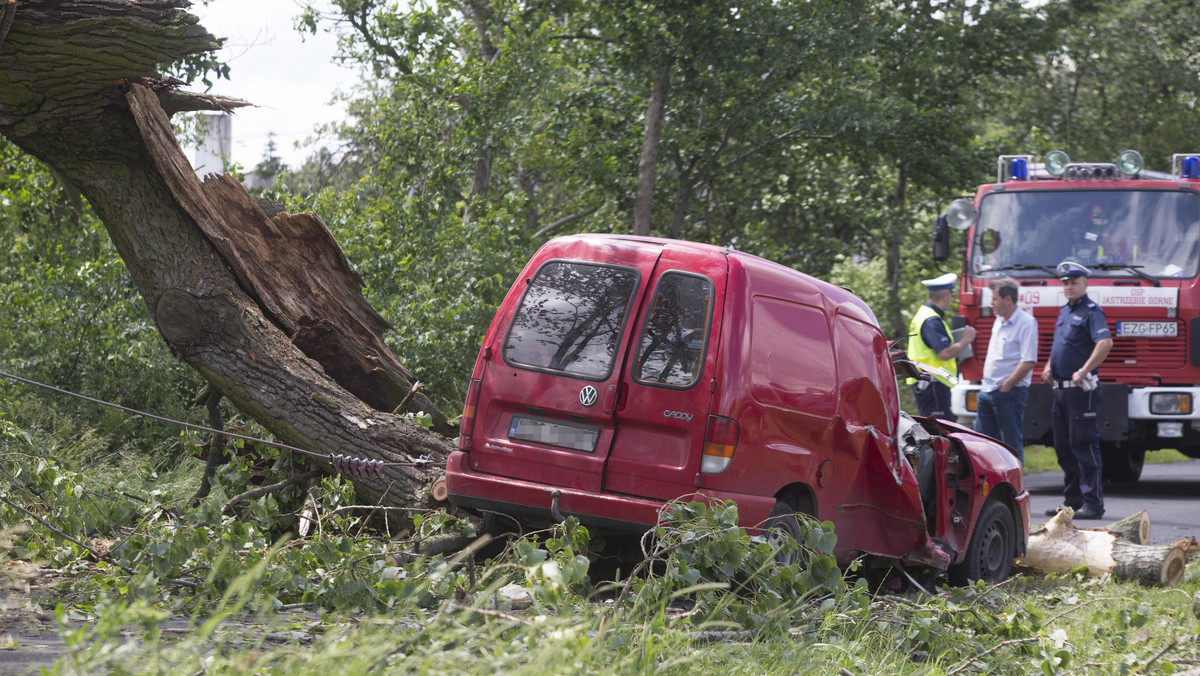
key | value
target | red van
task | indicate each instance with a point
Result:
(624, 372)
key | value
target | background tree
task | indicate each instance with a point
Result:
(817, 134)
(1117, 76)
(73, 318)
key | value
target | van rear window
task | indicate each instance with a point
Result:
(571, 318)
(671, 347)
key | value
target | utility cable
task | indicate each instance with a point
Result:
(343, 464)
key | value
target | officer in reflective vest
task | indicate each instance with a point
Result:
(929, 342)
(1081, 342)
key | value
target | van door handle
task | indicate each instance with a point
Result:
(610, 400)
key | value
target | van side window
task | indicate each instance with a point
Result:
(671, 345)
(571, 318)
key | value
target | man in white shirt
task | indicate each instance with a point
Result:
(1007, 369)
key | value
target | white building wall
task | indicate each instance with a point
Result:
(216, 144)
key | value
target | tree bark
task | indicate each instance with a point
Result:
(267, 310)
(1058, 546)
(1134, 528)
(892, 253)
(651, 141)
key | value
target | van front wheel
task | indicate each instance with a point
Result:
(781, 525)
(992, 549)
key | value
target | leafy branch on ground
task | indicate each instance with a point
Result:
(134, 555)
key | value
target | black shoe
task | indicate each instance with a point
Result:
(1053, 511)
(1089, 515)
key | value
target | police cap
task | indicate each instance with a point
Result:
(1070, 269)
(945, 281)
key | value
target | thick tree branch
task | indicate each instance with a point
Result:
(554, 225)
(360, 22)
(78, 78)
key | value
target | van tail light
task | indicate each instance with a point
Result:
(720, 441)
(467, 426)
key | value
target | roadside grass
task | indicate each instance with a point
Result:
(1042, 459)
(182, 588)
(1066, 624)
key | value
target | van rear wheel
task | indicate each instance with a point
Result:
(782, 525)
(502, 528)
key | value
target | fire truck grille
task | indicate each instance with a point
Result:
(1129, 356)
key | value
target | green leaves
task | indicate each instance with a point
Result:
(731, 576)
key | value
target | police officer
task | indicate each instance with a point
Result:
(929, 342)
(1081, 342)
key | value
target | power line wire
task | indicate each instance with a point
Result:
(343, 464)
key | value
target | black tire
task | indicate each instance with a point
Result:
(781, 523)
(992, 549)
(1122, 465)
(502, 528)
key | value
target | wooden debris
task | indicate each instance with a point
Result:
(1134, 528)
(1059, 546)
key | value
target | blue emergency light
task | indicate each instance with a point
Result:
(1191, 167)
(1019, 169)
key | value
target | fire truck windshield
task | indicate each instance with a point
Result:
(1119, 233)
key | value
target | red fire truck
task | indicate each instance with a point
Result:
(1139, 233)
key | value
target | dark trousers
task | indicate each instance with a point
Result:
(1001, 415)
(933, 399)
(1076, 426)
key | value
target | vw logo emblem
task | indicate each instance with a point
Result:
(588, 396)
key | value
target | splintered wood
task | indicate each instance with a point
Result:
(1059, 546)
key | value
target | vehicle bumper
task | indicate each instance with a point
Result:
(1138, 406)
(539, 502)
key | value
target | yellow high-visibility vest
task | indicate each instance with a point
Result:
(919, 351)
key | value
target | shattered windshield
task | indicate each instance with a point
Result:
(1118, 233)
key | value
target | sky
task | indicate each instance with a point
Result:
(290, 80)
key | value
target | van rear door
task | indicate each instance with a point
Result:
(666, 386)
(546, 406)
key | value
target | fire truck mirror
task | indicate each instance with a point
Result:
(941, 238)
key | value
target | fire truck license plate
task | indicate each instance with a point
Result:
(1148, 329)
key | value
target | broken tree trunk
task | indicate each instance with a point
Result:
(1059, 546)
(298, 350)
(1134, 528)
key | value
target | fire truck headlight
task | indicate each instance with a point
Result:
(1056, 162)
(1129, 162)
(1171, 403)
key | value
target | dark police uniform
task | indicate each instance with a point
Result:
(1075, 413)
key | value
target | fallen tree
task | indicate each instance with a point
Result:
(1058, 546)
(266, 309)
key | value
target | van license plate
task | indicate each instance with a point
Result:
(553, 434)
(1148, 329)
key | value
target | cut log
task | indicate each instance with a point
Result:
(1059, 546)
(1134, 528)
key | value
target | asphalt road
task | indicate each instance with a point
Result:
(1170, 493)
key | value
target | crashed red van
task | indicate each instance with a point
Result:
(623, 372)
